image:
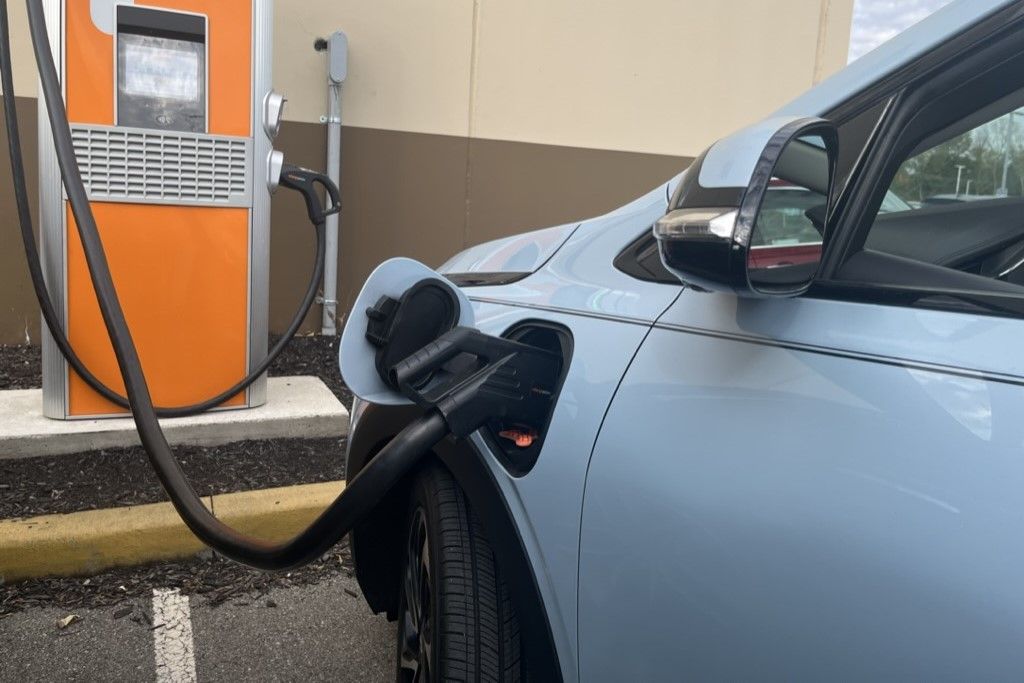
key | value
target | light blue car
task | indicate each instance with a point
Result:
(787, 434)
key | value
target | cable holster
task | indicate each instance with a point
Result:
(304, 181)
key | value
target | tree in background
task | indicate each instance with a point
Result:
(934, 171)
(978, 156)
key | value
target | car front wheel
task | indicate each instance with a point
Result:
(455, 619)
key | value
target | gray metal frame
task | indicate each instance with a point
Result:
(53, 249)
(259, 216)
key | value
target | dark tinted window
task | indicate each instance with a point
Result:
(964, 194)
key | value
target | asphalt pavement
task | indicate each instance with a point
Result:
(313, 632)
(227, 623)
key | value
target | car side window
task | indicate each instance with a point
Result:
(957, 199)
(980, 164)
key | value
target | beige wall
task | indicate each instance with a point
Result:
(656, 76)
(409, 62)
(661, 76)
(21, 50)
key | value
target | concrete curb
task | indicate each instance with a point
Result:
(296, 407)
(87, 542)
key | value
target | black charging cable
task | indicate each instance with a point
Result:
(360, 496)
(295, 178)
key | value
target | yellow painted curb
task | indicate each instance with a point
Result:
(87, 542)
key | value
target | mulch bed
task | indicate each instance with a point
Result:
(216, 579)
(122, 476)
(20, 367)
(118, 477)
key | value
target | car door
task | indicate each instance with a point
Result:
(832, 486)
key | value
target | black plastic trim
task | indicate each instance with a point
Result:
(756, 191)
(978, 302)
(486, 279)
(378, 540)
(397, 328)
(635, 261)
(152, 21)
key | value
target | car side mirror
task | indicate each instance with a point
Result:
(764, 239)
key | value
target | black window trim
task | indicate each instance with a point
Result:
(994, 40)
(628, 261)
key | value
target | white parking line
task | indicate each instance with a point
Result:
(172, 637)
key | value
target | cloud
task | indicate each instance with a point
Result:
(876, 21)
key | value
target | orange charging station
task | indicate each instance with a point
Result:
(173, 115)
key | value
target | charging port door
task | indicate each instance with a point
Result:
(161, 69)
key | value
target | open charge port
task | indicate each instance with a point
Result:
(518, 437)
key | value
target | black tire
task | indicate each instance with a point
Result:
(455, 619)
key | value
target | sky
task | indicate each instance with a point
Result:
(876, 21)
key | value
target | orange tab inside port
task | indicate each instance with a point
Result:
(523, 438)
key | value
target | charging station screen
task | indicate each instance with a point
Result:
(161, 69)
(166, 71)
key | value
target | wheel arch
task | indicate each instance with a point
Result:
(377, 541)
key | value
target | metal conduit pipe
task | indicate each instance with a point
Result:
(337, 70)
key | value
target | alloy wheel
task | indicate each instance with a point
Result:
(415, 625)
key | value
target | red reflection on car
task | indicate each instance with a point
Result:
(775, 256)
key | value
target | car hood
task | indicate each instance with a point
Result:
(526, 253)
(523, 253)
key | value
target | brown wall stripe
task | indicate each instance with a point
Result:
(19, 313)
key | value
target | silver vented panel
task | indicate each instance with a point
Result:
(156, 167)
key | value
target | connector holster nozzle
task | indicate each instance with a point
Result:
(304, 181)
(471, 377)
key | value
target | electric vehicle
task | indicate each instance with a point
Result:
(801, 466)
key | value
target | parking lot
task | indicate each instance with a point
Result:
(314, 632)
